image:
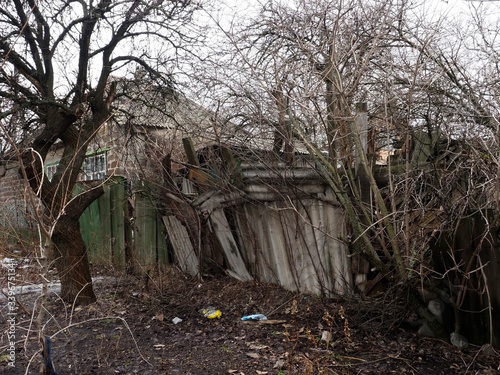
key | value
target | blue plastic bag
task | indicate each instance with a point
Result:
(254, 317)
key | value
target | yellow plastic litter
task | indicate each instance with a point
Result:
(211, 313)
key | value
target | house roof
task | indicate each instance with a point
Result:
(150, 106)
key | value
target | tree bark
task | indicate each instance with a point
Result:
(70, 251)
(72, 262)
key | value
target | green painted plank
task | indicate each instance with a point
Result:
(145, 231)
(104, 227)
(87, 228)
(119, 208)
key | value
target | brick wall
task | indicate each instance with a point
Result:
(12, 202)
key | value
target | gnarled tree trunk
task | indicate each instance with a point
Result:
(72, 262)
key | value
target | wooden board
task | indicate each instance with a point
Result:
(181, 243)
(236, 264)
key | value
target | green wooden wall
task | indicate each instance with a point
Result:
(105, 222)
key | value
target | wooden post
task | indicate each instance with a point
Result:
(233, 167)
(360, 266)
(361, 121)
(196, 173)
(190, 151)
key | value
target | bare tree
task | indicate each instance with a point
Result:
(308, 64)
(57, 60)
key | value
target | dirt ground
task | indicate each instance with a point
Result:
(130, 330)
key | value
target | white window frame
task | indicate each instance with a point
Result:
(95, 166)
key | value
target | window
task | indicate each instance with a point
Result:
(95, 166)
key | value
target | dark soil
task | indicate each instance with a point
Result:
(130, 331)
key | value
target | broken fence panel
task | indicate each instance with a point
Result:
(182, 246)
